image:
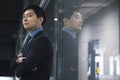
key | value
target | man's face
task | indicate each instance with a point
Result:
(75, 21)
(30, 20)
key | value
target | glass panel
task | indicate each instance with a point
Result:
(99, 60)
(98, 55)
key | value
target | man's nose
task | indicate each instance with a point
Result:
(25, 19)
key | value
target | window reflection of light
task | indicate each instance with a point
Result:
(111, 65)
(6, 78)
(117, 59)
(55, 19)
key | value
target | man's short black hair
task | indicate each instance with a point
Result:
(39, 11)
(69, 11)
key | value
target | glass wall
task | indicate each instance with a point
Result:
(98, 56)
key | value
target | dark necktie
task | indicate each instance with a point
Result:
(26, 42)
(76, 38)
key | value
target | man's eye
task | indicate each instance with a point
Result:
(29, 15)
(77, 17)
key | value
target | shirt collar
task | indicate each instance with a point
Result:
(33, 33)
(70, 32)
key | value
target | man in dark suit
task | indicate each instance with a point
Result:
(72, 25)
(35, 59)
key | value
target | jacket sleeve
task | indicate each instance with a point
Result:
(13, 64)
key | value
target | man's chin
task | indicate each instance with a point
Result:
(78, 29)
(27, 28)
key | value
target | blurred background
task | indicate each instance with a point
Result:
(99, 39)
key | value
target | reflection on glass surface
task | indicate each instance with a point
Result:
(6, 78)
(100, 22)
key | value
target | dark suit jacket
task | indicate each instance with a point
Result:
(69, 57)
(39, 54)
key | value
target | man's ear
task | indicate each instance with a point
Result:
(65, 20)
(41, 19)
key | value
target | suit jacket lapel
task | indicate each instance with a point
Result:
(31, 42)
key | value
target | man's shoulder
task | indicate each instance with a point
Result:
(66, 34)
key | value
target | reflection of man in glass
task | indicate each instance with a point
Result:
(72, 25)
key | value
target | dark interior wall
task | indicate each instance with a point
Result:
(9, 25)
(9, 28)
